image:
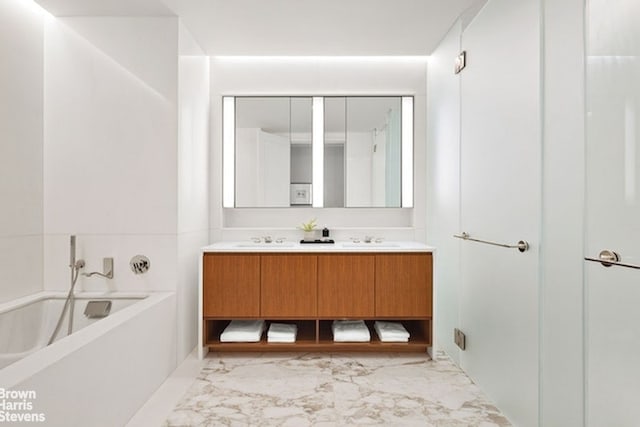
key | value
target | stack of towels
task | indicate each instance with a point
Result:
(243, 331)
(282, 333)
(350, 331)
(391, 331)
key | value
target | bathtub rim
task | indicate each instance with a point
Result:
(44, 295)
(23, 369)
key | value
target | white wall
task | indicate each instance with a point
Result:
(443, 186)
(317, 76)
(193, 183)
(21, 145)
(126, 158)
(110, 166)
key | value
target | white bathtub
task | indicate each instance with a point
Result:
(27, 327)
(101, 373)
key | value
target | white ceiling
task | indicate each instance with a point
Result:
(293, 27)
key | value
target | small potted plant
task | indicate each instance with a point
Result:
(309, 229)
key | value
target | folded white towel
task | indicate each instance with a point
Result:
(282, 333)
(391, 331)
(281, 339)
(243, 331)
(350, 331)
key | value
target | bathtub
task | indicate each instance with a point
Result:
(101, 373)
(27, 327)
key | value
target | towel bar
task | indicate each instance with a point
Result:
(522, 245)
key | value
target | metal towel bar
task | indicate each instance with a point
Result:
(608, 258)
(522, 245)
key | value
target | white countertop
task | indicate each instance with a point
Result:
(339, 246)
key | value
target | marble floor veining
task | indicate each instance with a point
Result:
(333, 390)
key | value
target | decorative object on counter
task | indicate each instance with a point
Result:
(325, 233)
(317, 241)
(282, 333)
(350, 331)
(243, 331)
(140, 264)
(391, 331)
(309, 229)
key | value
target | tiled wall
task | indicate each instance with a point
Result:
(110, 164)
(21, 146)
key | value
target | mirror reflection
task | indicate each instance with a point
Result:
(362, 148)
(362, 151)
(272, 151)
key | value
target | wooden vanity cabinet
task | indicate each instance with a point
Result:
(403, 285)
(231, 285)
(345, 286)
(288, 286)
(312, 290)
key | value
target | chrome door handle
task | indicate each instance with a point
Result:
(608, 258)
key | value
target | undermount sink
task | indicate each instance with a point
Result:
(369, 245)
(264, 245)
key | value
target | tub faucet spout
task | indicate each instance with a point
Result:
(107, 268)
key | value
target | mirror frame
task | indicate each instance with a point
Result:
(317, 144)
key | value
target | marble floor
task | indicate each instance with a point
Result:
(332, 390)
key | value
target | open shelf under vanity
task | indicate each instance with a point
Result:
(316, 335)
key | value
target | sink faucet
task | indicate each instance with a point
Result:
(368, 239)
(266, 239)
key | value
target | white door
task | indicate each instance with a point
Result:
(612, 303)
(274, 170)
(500, 201)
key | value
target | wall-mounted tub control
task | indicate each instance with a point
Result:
(139, 264)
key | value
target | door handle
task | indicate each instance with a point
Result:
(608, 258)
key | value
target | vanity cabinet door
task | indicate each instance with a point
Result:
(288, 286)
(403, 285)
(231, 285)
(346, 286)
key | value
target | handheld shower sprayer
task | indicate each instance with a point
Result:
(73, 264)
(72, 251)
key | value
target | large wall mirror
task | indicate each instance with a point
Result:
(337, 151)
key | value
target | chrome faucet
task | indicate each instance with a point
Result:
(266, 239)
(107, 268)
